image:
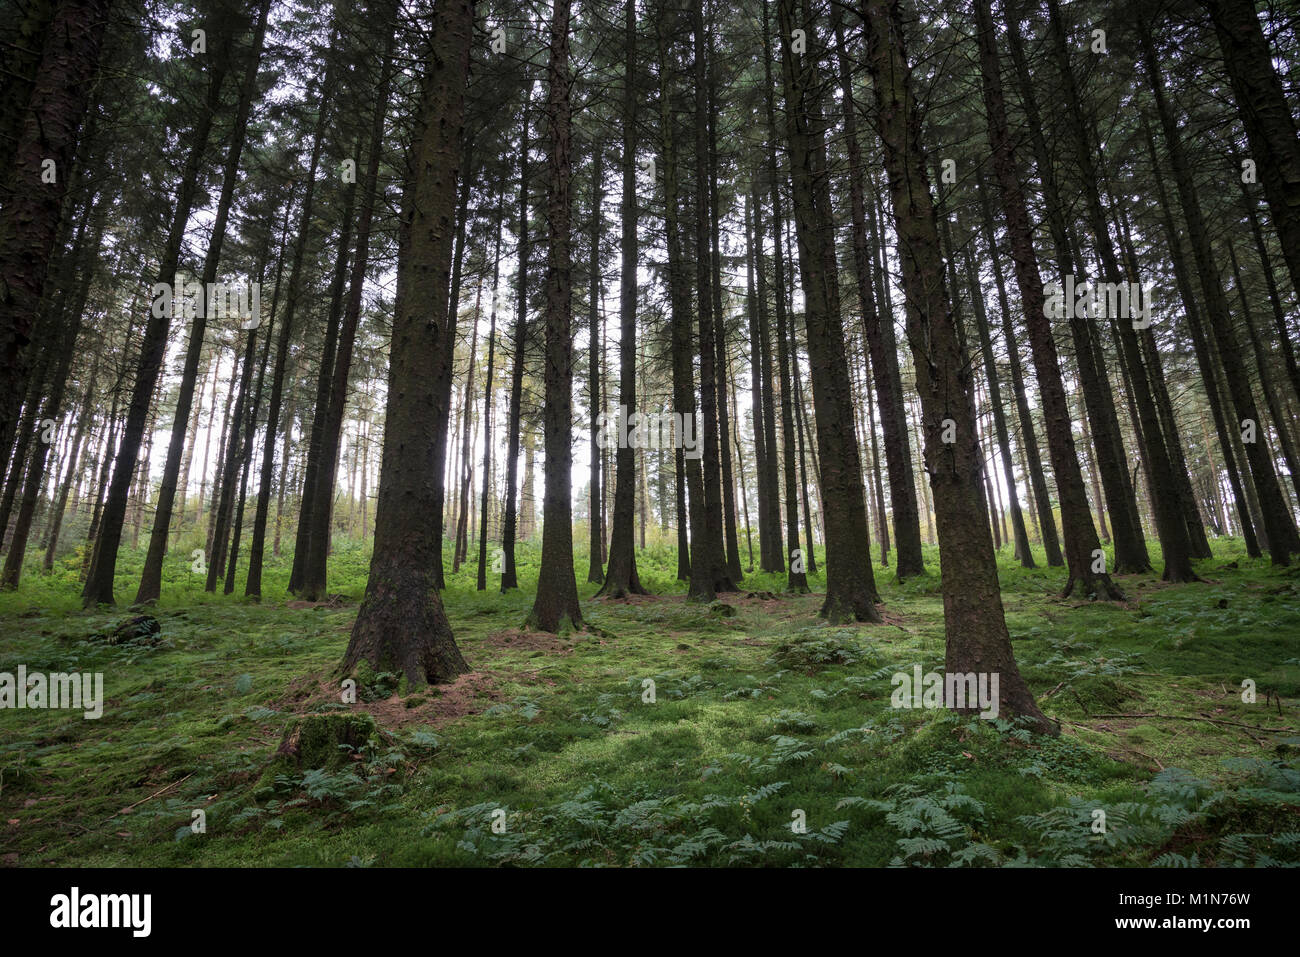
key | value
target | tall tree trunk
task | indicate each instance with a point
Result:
(1200, 344)
(99, 584)
(1267, 116)
(731, 542)
(315, 568)
(29, 219)
(999, 415)
(974, 622)
(771, 555)
(1094, 380)
(708, 544)
(250, 426)
(446, 369)
(797, 573)
(488, 385)
(460, 547)
(151, 576)
(621, 578)
(1278, 526)
(701, 563)
(72, 469)
(514, 428)
(232, 464)
(253, 586)
(850, 581)
(902, 490)
(594, 281)
(1171, 528)
(51, 411)
(401, 625)
(1082, 547)
(556, 605)
(308, 501)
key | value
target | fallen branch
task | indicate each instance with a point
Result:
(1191, 717)
(130, 807)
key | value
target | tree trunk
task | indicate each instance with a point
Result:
(1266, 114)
(487, 399)
(514, 427)
(999, 416)
(902, 489)
(621, 578)
(708, 544)
(1094, 380)
(1281, 533)
(29, 219)
(401, 626)
(151, 576)
(99, 584)
(253, 586)
(1082, 547)
(556, 605)
(594, 280)
(975, 626)
(315, 568)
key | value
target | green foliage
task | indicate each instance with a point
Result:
(813, 650)
(759, 720)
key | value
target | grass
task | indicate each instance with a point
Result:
(551, 752)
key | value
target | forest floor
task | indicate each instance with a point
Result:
(760, 721)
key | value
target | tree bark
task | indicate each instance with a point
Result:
(974, 622)
(401, 625)
(1082, 546)
(556, 605)
(621, 578)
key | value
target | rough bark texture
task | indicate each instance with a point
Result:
(1081, 542)
(621, 577)
(401, 625)
(29, 219)
(850, 581)
(974, 622)
(902, 489)
(556, 605)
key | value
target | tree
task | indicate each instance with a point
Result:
(974, 622)
(621, 577)
(1082, 546)
(151, 575)
(556, 605)
(1266, 115)
(850, 582)
(99, 582)
(401, 625)
(29, 219)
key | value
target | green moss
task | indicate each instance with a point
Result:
(755, 714)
